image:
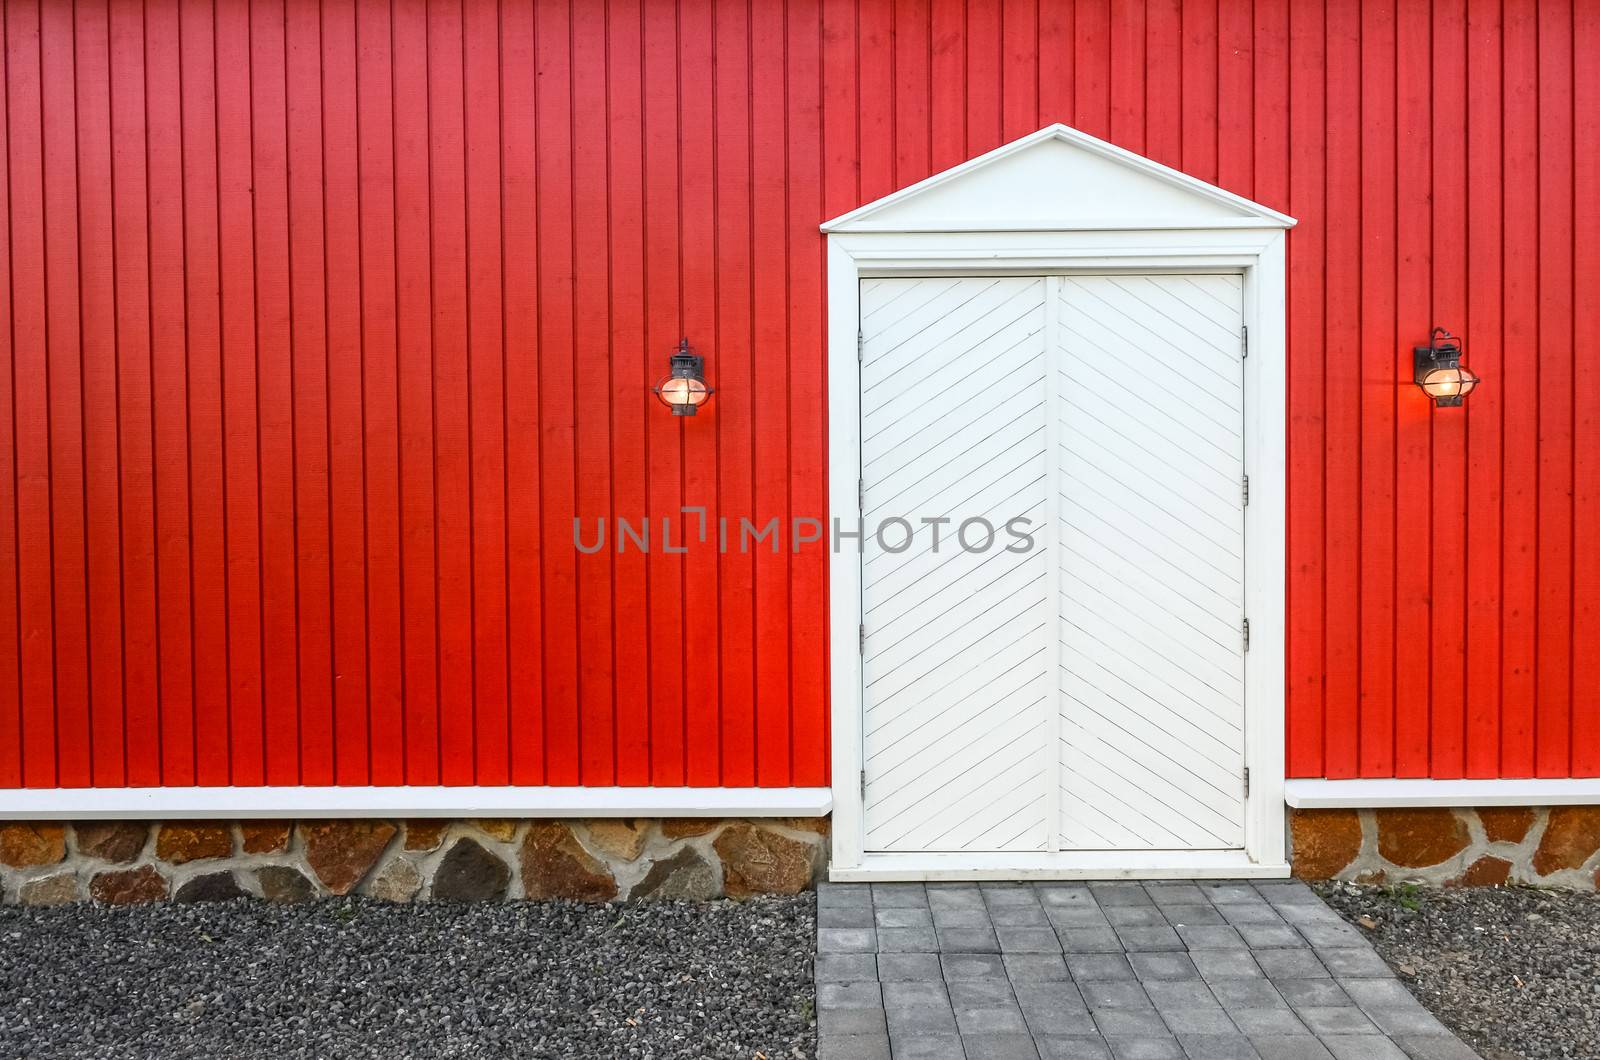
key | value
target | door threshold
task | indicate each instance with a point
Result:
(1060, 865)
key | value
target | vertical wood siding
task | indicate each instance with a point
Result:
(326, 319)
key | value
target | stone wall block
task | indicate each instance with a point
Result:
(1325, 842)
(26, 844)
(616, 837)
(398, 881)
(341, 852)
(264, 837)
(470, 873)
(497, 828)
(180, 842)
(1570, 838)
(210, 887)
(688, 827)
(1419, 838)
(114, 841)
(1506, 824)
(686, 875)
(129, 886)
(284, 883)
(425, 834)
(760, 861)
(555, 865)
(1488, 871)
(60, 889)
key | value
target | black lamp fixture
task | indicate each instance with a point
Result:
(1439, 371)
(684, 389)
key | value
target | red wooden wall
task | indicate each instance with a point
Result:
(327, 318)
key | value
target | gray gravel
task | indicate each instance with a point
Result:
(1514, 971)
(354, 978)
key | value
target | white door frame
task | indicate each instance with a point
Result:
(1253, 247)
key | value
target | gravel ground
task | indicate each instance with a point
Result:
(354, 978)
(1514, 971)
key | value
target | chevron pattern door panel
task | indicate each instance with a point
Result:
(1150, 547)
(1084, 693)
(958, 644)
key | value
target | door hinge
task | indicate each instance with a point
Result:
(1244, 341)
(861, 495)
(1247, 781)
(1244, 490)
(861, 346)
(1245, 628)
(863, 785)
(861, 642)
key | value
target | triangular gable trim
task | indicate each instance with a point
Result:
(1255, 214)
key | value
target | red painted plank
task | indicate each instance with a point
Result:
(631, 376)
(1585, 631)
(1412, 527)
(808, 418)
(520, 233)
(487, 397)
(1019, 68)
(770, 396)
(985, 103)
(207, 520)
(735, 368)
(1056, 70)
(876, 145)
(1163, 81)
(1307, 515)
(97, 294)
(840, 93)
(663, 434)
(1520, 369)
(64, 379)
(1199, 59)
(1342, 405)
(592, 393)
(236, 240)
(452, 459)
(1446, 613)
(419, 546)
(1486, 411)
(1091, 65)
(1553, 686)
(380, 399)
(701, 596)
(1129, 111)
(1236, 92)
(11, 730)
(275, 395)
(913, 63)
(346, 478)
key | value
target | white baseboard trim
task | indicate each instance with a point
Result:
(308, 802)
(1063, 865)
(1388, 794)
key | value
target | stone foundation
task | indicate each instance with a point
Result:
(601, 860)
(1545, 847)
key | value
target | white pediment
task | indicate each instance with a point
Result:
(1058, 179)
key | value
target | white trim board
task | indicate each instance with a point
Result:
(58, 804)
(985, 217)
(1385, 794)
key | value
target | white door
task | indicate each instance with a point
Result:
(1074, 682)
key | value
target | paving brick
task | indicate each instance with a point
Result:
(1019, 915)
(845, 916)
(1225, 964)
(1217, 1047)
(902, 967)
(1058, 1021)
(1076, 917)
(1028, 940)
(853, 1047)
(1312, 993)
(1171, 995)
(1092, 966)
(1116, 994)
(914, 1020)
(1386, 993)
(1141, 939)
(1290, 964)
(1355, 962)
(1309, 914)
(954, 897)
(894, 917)
(982, 993)
(962, 917)
(1210, 937)
(1148, 966)
(1291, 1047)
(847, 940)
(1073, 1047)
(1202, 915)
(837, 895)
(1009, 894)
(927, 1047)
(1433, 1047)
(1331, 935)
(851, 1021)
(964, 966)
(1363, 1047)
(1065, 895)
(1122, 1023)
(1109, 894)
(1270, 936)
(1089, 940)
(908, 940)
(915, 993)
(1329, 1021)
(1288, 892)
(1256, 913)
(1135, 916)
(968, 940)
(988, 1046)
(1199, 1021)
(1398, 1022)
(984, 1021)
(1035, 968)
(1237, 994)
(1268, 1021)
(844, 967)
(899, 895)
(1165, 894)
(856, 994)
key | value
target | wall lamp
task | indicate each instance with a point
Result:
(1439, 371)
(684, 389)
